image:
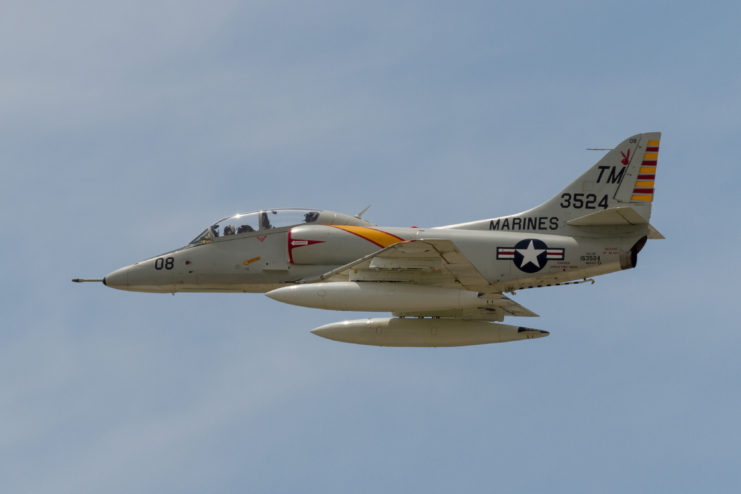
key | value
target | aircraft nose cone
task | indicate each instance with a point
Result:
(118, 279)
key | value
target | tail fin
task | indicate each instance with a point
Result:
(617, 190)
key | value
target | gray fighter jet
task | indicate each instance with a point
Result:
(444, 286)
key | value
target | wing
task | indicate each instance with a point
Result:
(430, 262)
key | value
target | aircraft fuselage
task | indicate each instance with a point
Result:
(264, 260)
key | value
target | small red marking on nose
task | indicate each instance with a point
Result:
(187, 262)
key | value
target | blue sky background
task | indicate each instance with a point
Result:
(127, 127)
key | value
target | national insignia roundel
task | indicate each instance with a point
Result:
(530, 255)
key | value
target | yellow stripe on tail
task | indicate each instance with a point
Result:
(643, 190)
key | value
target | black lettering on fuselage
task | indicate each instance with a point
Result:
(525, 224)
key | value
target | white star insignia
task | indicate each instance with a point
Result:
(530, 255)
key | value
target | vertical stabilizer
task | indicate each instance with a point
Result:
(624, 177)
(617, 190)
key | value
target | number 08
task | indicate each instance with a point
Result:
(167, 263)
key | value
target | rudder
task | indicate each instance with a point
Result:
(640, 177)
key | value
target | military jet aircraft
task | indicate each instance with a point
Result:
(444, 286)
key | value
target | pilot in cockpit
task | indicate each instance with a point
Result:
(265, 221)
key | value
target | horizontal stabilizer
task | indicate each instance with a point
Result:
(610, 217)
(654, 234)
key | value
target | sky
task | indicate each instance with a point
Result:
(127, 127)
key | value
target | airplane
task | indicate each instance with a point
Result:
(444, 286)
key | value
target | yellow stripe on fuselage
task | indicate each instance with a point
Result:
(382, 239)
(645, 198)
(651, 156)
(645, 183)
(653, 143)
(648, 169)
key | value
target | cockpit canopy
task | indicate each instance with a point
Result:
(269, 219)
(256, 221)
